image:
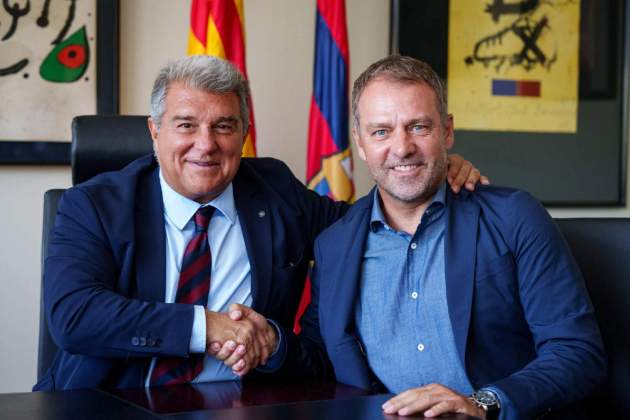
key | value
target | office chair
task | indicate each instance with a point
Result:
(100, 143)
(46, 347)
(601, 248)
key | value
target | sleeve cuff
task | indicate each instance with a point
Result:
(198, 337)
(504, 402)
(277, 358)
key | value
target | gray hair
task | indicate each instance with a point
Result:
(203, 72)
(400, 68)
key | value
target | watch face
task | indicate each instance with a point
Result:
(486, 397)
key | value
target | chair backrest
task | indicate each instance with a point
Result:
(601, 248)
(47, 347)
(102, 143)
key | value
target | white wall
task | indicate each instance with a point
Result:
(280, 36)
(21, 191)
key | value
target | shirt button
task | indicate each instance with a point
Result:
(413, 245)
(420, 347)
(414, 295)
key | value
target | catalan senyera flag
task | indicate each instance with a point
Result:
(329, 159)
(217, 27)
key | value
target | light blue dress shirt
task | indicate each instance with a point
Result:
(231, 271)
(402, 313)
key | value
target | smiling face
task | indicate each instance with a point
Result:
(199, 142)
(402, 139)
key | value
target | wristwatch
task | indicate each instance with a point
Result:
(488, 401)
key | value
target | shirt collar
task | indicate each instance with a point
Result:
(180, 209)
(437, 202)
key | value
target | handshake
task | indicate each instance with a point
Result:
(241, 338)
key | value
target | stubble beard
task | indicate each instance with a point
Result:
(417, 190)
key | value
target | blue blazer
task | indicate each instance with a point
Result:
(104, 275)
(521, 317)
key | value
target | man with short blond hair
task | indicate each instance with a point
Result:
(466, 303)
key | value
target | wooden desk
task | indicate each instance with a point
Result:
(206, 397)
(85, 404)
(226, 400)
(360, 408)
(261, 400)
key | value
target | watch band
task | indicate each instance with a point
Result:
(488, 401)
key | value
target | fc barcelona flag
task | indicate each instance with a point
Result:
(329, 160)
(217, 27)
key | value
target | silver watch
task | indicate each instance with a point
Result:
(488, 401)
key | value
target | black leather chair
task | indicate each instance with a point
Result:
(47, 347)
(100, 143)
(601, 248)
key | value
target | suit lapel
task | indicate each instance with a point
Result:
(350, 248)
(460, 255)
(255, 218)
(150, 239)
(342, 279)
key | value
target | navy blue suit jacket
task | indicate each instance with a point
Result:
(520, 314)
(104, 275)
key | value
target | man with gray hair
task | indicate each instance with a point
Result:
(459, 304)
(144, 263)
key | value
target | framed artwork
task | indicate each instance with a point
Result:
(538, 89)
(58, 59)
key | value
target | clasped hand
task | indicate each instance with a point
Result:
(241, 338)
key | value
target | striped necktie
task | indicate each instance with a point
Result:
(192, 289)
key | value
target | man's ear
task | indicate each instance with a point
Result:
(449, 138)
(152, 129)
(357, 143)
(246, 131)
(244, 136)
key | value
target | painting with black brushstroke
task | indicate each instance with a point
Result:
(584, 168)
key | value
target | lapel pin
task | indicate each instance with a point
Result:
(262, 214)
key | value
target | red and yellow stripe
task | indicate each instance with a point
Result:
(217, 27)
